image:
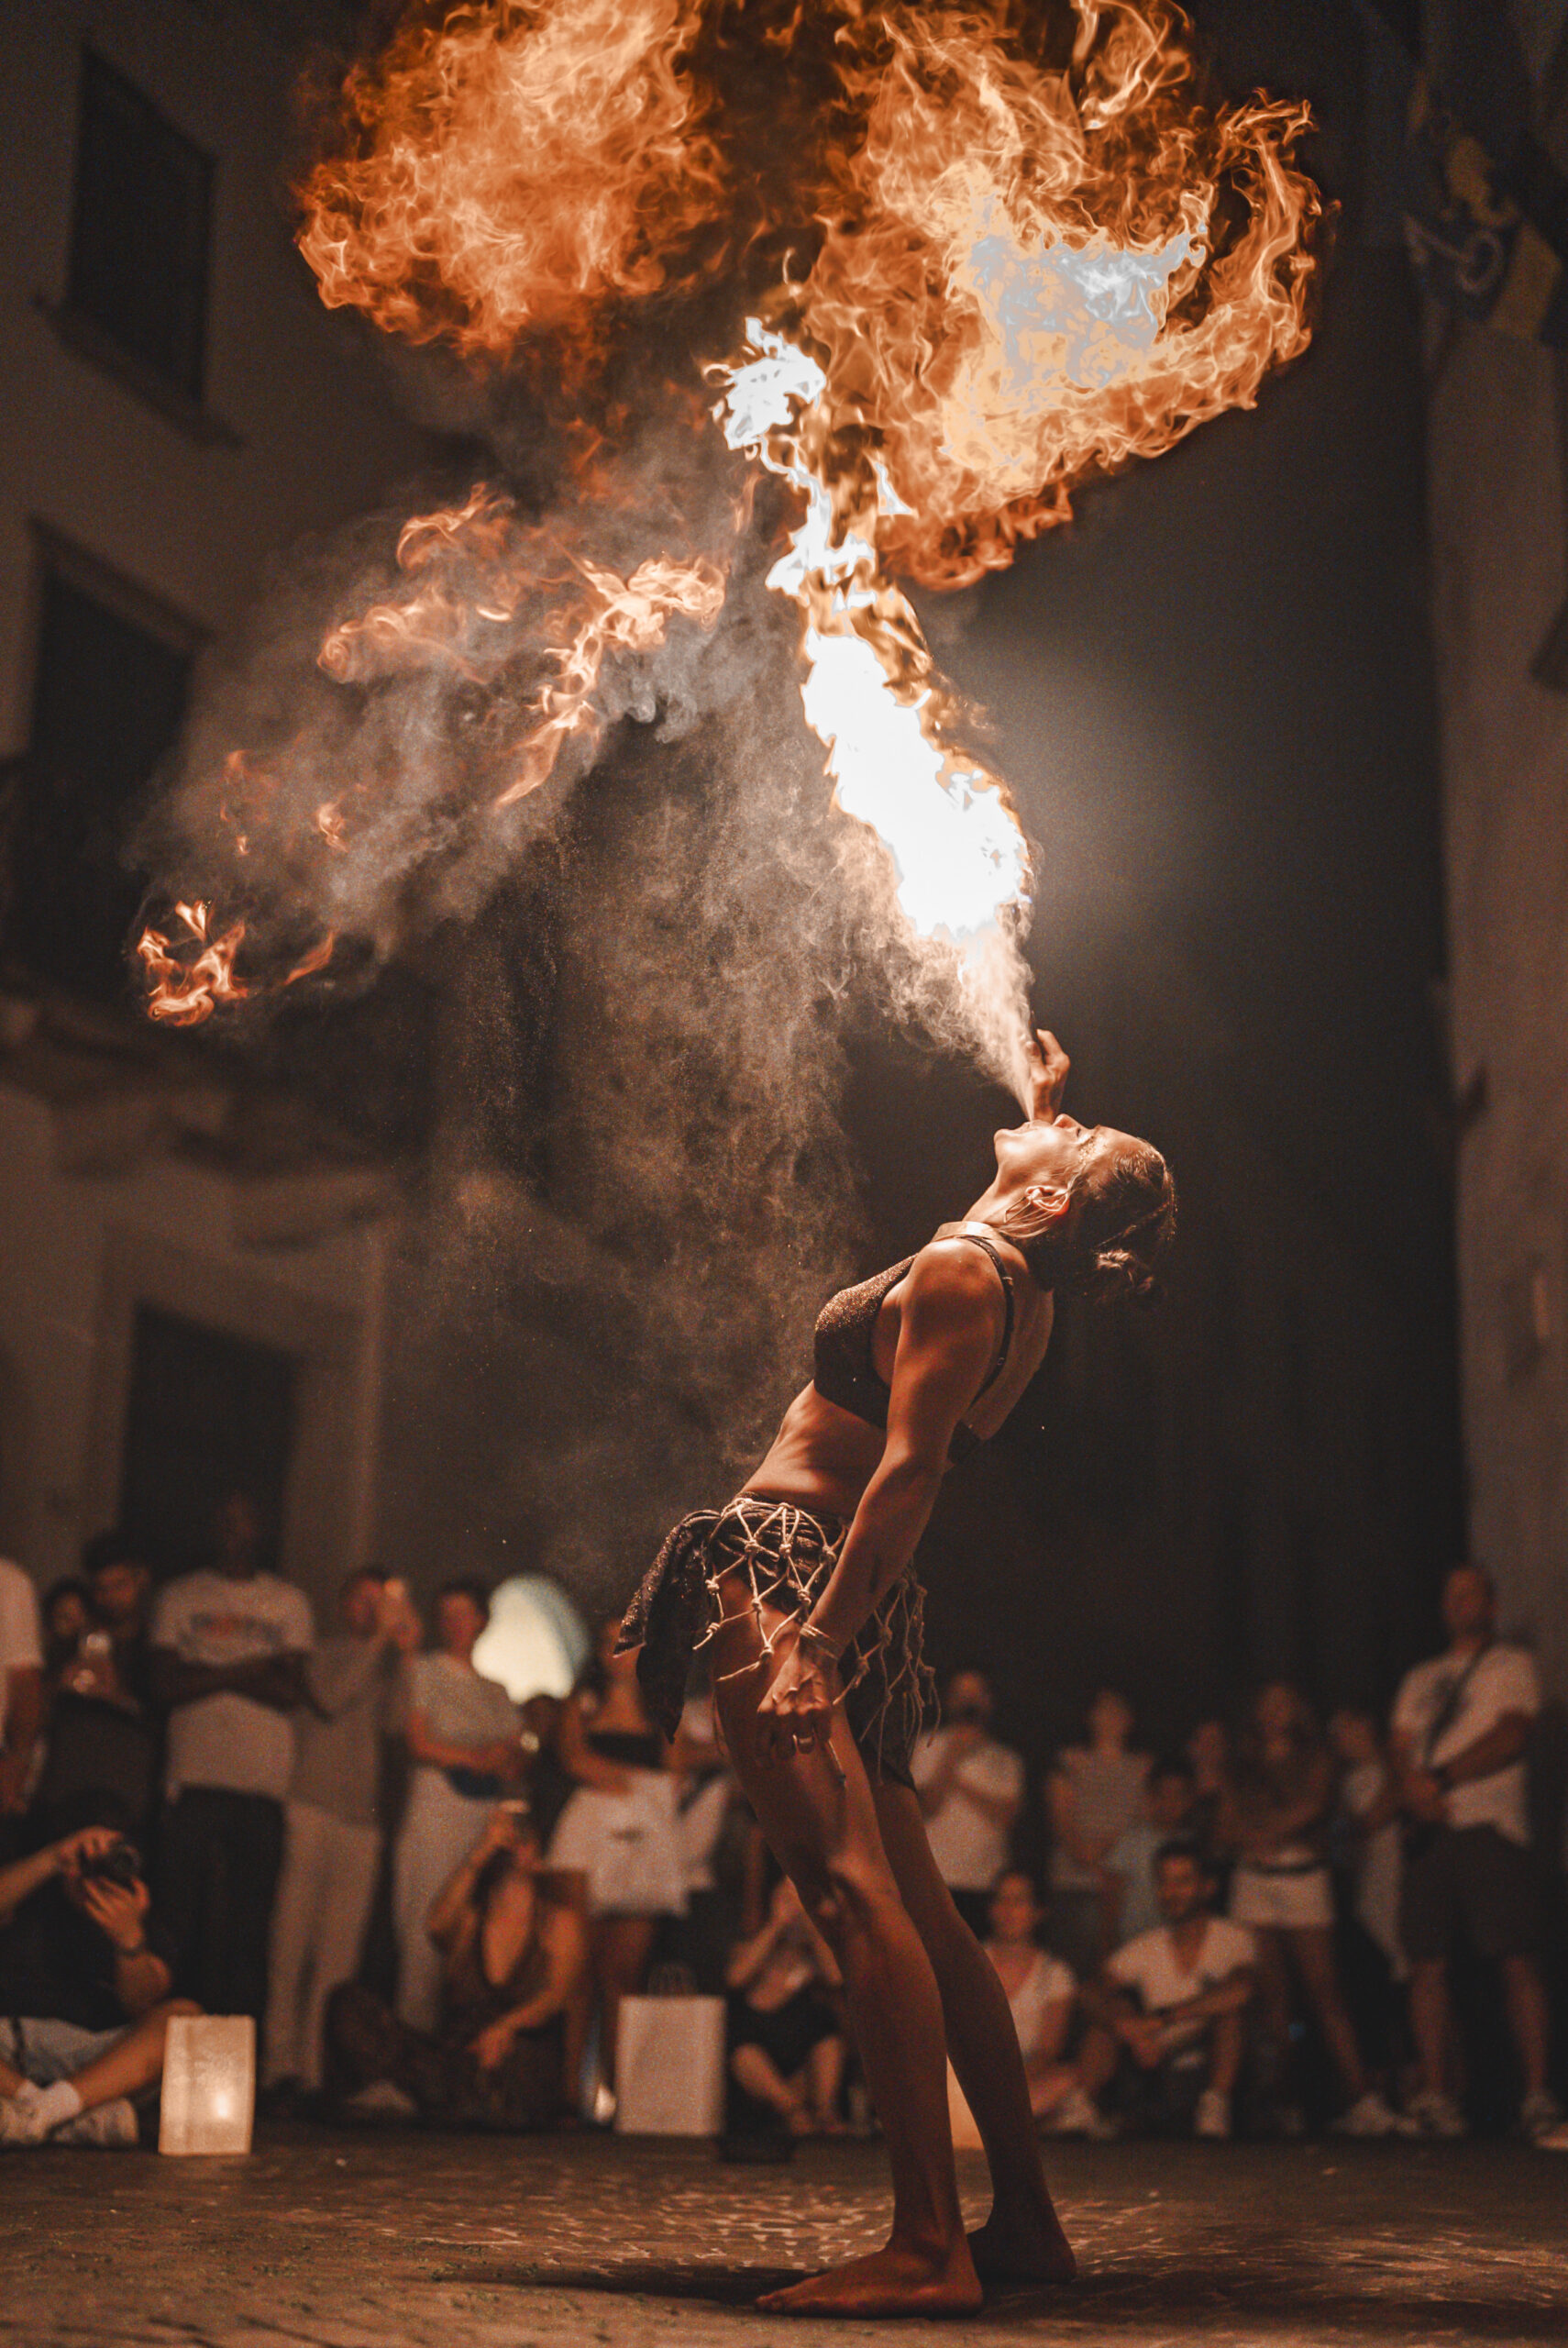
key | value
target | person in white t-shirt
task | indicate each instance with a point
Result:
(1175, 1998)
(1041, 1991)
(971, 1789)
(21, 1687)
(1459, 1739)
(230, 1644)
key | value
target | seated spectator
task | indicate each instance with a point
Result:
(1041, 1992)
(512, 1951)
(228, 1649)
(971, 1789)
(1460, 1741)
(332, 1840)
(104, 1729)
(1094, 1794)
(21, 1695)
(1132, 1903)
(84, 1980)
(1281, 1796)
(706, 1794)
(786, 2042)
(1168, 2011)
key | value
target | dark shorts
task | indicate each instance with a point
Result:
(786, 1555)
(1474, 1880)
(787, 2035)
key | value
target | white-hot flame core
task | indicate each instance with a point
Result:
(956, 847)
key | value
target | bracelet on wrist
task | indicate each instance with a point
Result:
(139, 1950)
(813, 1634)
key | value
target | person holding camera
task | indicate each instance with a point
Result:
(971, 1789)
(85, 1974)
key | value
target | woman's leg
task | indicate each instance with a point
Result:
(137, 2061)
(1022, 2239)
(623, 1947)
(1273, 2006)
(1312, 1948)
(818, 1816)
(824, 2080)
(753, 2068)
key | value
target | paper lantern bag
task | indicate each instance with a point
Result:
(669, 2066)
(209, 2084)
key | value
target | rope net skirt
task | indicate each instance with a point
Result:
(787, 1555)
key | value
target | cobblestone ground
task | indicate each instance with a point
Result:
(376, 2240)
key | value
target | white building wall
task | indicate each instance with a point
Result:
(308, 435)
(304, 391)
(1500, 532)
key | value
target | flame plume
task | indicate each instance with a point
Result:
(510, 169)
(999, 266)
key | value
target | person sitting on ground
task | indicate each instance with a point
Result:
(1131, 1901)
(513, 1950)
(85, 1973)
(971, 1790)
(1168, 2007)
(1041, 1991)
(787, 2043)
(105, 1728)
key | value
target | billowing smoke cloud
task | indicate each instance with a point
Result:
(564, 694)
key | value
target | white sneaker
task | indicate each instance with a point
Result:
(112, 2124)
(21, 2122)
(1540, 2115)
(1371, 2116)
(1077, 2114)
(1212, 2116)
(1435, 2114)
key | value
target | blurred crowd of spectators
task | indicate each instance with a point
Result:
(434, 1902)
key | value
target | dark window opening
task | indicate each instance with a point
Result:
(139, 232)
(208, 1414)
(109, 699)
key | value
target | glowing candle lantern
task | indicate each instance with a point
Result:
(209, 2084)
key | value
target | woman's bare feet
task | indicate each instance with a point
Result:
(1023, 2248)
(888, 2282)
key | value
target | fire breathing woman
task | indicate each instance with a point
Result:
(804, 1584)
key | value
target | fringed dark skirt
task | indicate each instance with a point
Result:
(787, 1554)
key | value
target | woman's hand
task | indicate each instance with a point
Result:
(493, 2044)
(795, 1714)
(1048, 1070)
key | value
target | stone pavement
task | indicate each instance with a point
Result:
(392, 2239)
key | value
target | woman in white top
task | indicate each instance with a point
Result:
(463, 1731)
(1274, 1816)
(619, 1831)
(1041, 1991)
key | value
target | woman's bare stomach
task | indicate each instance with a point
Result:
(822, 1457)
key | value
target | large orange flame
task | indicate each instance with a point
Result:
(1019, 260)
(511, 168)
(1031, 275)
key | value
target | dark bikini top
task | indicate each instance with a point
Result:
(843, 1370)
(632, 1749)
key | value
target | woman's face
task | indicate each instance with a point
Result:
(1013, 1912)
(1055, 1154)
(1274, 1712)
(67, 1616)
(458, 1623)
(1110, 1719)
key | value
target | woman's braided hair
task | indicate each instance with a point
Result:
(1126, 1221)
